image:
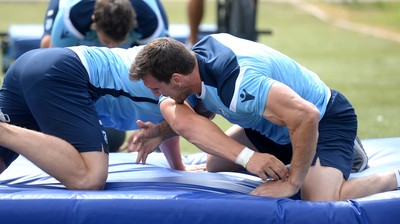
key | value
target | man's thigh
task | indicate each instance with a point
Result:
(218, 164)
(322, 183)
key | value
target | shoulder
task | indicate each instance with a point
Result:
(150, 4)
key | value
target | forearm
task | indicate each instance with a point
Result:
(165, 131)
(304, 143)
(211, 139)
(200, 131)
(172, 153)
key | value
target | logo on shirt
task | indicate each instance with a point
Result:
(246, 96)
(64, 34)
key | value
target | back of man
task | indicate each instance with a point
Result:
(70, 23)
(119, 101)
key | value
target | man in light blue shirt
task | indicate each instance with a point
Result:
(283, 114)
(55, 103)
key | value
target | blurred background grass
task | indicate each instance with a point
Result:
(365, 68)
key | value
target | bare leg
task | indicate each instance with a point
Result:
(218, 164)
(57, 157)
(364, 186)
(195, 15)
(328, 184)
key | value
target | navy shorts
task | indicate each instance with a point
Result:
(47, 90)
(337, 132)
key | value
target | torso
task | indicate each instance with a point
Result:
(229, 67)
(119, 100)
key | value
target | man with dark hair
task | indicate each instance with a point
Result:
(284, 114)
(108, 23)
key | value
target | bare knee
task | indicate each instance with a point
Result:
(87, 180)
(91, 177)
(88, 183)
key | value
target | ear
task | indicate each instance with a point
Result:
(177, 79)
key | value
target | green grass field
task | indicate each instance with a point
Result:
(365, 68)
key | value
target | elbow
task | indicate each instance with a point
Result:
(313, 115)
(310, 119)
(307, 117)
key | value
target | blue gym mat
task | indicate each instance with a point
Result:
(153, 193)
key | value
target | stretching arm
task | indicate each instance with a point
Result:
(207, 136)
(286, 108)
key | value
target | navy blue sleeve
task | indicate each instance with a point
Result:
(147, 21)
(218, 67)
(51, 13)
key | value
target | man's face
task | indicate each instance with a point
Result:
(172, 90)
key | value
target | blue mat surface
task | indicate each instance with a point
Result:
(153, 193)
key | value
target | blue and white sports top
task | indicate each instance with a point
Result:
(73, 19)
(237, 75)
(120, 102)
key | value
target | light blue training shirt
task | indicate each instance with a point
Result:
(120, 102)
(237, 75)
(69, 23)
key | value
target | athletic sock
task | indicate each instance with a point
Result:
(397, 172)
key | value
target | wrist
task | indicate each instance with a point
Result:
(165, 131)
(244, 157)
(295, 183)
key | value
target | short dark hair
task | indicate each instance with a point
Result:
(115, 18)
(161, 58)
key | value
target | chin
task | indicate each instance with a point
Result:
(179, 101)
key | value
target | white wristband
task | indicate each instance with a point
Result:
(244, 157)
(397, 173)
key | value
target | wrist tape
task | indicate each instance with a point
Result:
(244, 157)
(397, 173)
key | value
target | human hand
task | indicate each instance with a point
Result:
(275, 189)
(147, 130)
(263, 164)
(145, 140)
